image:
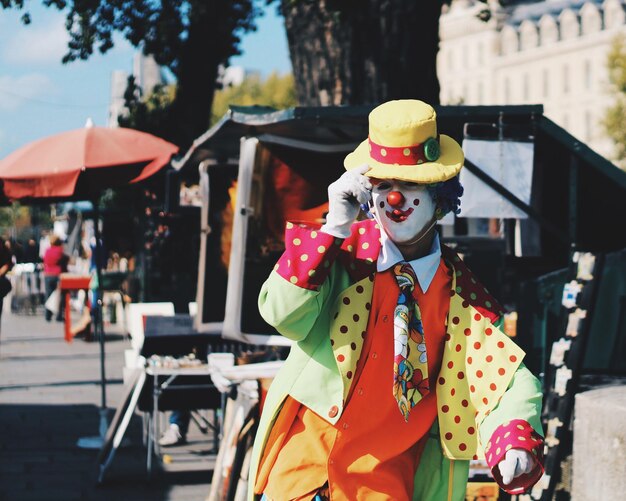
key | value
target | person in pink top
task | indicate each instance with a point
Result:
(54, 263)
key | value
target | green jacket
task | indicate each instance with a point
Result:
(306, 302)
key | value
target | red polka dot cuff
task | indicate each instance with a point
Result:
(308, 257)
(516, 434)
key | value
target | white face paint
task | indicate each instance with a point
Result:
(405, 213)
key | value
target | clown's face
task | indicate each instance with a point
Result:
(403, 209)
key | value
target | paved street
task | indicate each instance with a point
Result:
(49, 398)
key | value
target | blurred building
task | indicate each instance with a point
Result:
(231, 76)
(119, 81)
(551, 52)
(147, 75)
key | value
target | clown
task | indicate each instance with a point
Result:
(399, 373)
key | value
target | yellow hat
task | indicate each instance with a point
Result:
(403, 143)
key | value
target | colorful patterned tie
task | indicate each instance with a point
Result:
(410, 364)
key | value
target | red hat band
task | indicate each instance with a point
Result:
(428, 151)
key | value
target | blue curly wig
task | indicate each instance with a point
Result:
(447, 196)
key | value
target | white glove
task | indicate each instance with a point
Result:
(516, 462)
(344, 197)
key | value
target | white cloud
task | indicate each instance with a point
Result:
(37, 44)
(14, 91)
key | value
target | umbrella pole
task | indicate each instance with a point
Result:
(98, 327)
(98, 441)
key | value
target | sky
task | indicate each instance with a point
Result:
(39, 96)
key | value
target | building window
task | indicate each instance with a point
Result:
(510, 40)
(548, 30)
(590, 19)
(587, 70)
(528, 35)
(569, 24)
(614, 14)
(565, 79)
(546, 83)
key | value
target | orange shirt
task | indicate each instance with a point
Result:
(370, 453)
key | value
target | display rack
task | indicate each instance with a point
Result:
(563, 375)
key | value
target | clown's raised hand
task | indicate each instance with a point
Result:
(344, 198)
(516, 462)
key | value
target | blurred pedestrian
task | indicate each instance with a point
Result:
(6, 263)
(15, 249)
(31, 252)
(54, 263)
(176, 434)
(44, 243)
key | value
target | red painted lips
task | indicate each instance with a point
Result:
(397, 215)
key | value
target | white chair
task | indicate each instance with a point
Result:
(136, 314)
(135, 317)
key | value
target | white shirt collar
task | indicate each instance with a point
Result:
(425, 267)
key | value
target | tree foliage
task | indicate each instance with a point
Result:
(277, 91)
(15, 220)
(191, 38)
(152, 113)
(615, 118)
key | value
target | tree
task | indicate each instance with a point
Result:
(357, 52)
(192, 38)
(276, 91)
(615, 117)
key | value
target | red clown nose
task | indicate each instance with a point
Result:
(395, 199)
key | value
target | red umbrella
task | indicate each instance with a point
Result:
(80, 164)
(82, 161)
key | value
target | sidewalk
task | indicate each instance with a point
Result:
(49, 398)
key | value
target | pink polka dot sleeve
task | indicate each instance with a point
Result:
(516, 434)
(309, 254)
